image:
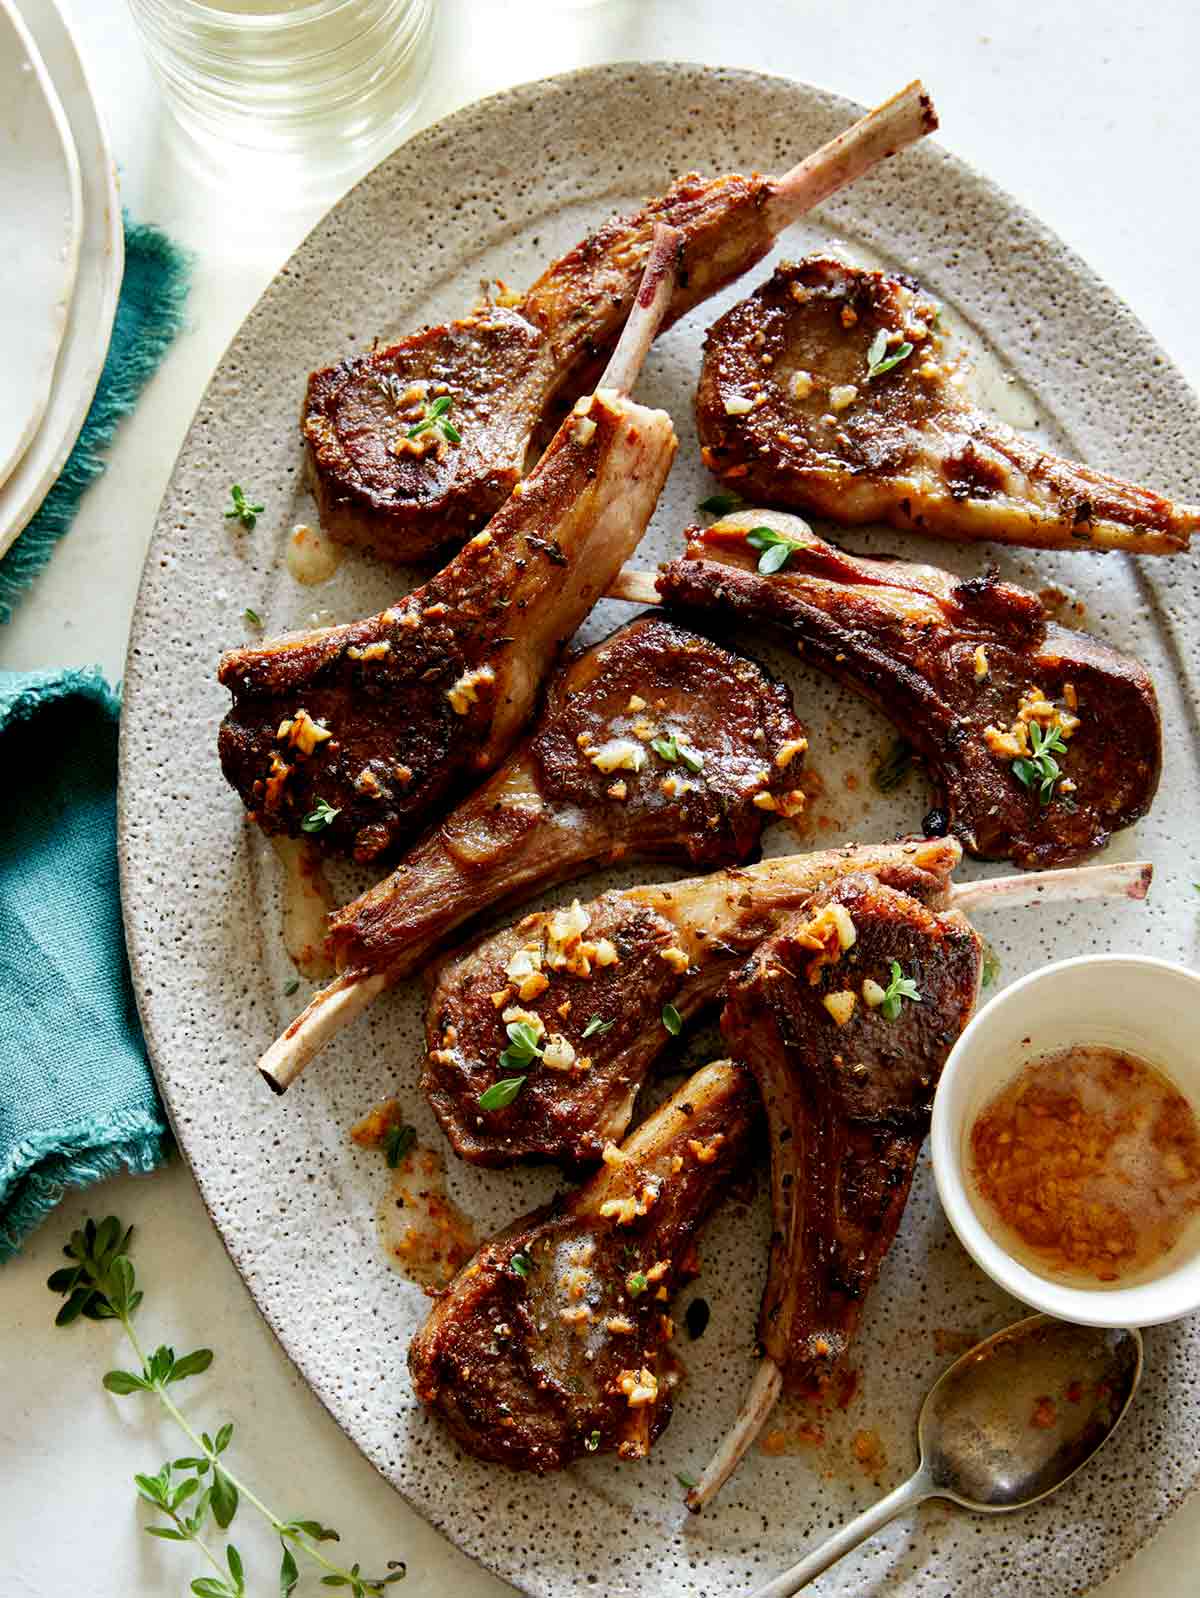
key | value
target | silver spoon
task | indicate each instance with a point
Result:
(1009, 1422)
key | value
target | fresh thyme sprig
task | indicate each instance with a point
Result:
(242, 510)
(321, 817)
(100, 1285)
(721, 504)
(777, 548)
(435, 416)
(595, 1027)
(880, 359)
(897, 990)
(1041, 770)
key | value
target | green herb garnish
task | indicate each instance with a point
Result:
(672, 1020)
(596, 1027)
(895, 766)
(100, 1285)
(320, 818)
(721, 504)
(897, 990)
(880, 359)
(435, 416)
(1041, 770)
(521, 1265)
(242, 510)
(671, 750)
(292, 987)
(522, 1046)
(991, 967)
(396, 1144)
(636, 1284)
(777, 548)
(684, 1480)
(591, 1442)
(252, 617)
(501, 1094)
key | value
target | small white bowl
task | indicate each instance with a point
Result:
(1150, 1008)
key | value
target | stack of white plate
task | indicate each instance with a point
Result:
(61, 254)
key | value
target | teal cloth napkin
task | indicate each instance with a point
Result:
(149, 315)
(77, 1099)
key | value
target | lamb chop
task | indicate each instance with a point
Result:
(830, 389)
(655, 743)
(553, 1341)
(601, 1025)
(1041, 742)
(358, 734)
(415, 445)
(847, 1068)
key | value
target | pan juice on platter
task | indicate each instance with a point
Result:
(1087, 1166)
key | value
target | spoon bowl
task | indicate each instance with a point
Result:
(1011, 1420)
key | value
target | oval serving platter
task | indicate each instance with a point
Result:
(496, 191)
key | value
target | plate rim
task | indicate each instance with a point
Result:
(1167, 370)
(22, 493)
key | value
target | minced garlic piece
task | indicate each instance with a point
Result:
(639, 1387)
(873, 994)
(564, 932)
(618, 1324)
(559, 1054)
(787, 752)
(367, 783)
(273, 791)
(582, 406)
(765, 801)
(658, 1270)
(618, 754)
(841, 395)
(705, 1153)
(829, 933)
(529, 1018)
(576, 1281)
(1071, 697)
(840, 1005)
(619, 789)
(577, 1316)
(441, 1057)
(981, 663)
(630, 1208)
(675, 958)
(480, 541)
(643, 729)
(524, 963)
(612, 1155)
(303, 733)
(738, 405)
(584, 430)
(374, 651)
(606, 952)
(465, 692)
(636, 703)
(1034, 707)
(532, 987)
(502, 997)
(802, 385)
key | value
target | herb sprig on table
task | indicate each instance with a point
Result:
(99, 1284)
(243, 511)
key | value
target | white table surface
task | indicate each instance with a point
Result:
(1084, 109)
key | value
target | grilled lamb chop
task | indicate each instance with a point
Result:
(553, 1341)
(375, 726)
(789, 412)
(848, 1093)
(676, 944)
(655, 743)
(506, 368)
(972, 672)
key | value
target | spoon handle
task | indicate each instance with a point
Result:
(906, 1496)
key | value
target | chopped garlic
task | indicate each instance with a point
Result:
(658, 1270)
(502, 997)
(618, 754)
(465, 692)
(840, 1005)
(981, 663)
(529, 1018)
(524, 963)
(636, 703)
(584, 430)
(367, 783)
(787, 752)
(639, 1387)
(612, 1155)
(675, 958)
(559, 1054)
(532, 987)
(873, 994)
(738, 405)
(841, 395)
(618, 1324)
(303, 733)
(705, 1153)
(802, 385)
(563, 933)
(606, 952)
(619, 789)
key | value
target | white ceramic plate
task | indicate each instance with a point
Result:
(41, 220)
(97, 285)
(496, 191)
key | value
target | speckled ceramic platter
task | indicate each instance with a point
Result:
(494, 192)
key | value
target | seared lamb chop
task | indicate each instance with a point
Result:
(847, 1076)
(600, 1024)
(829, 389)
(499, 373)
(358, 734)
(973, 673)
(553, 1341)
(654, 743)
